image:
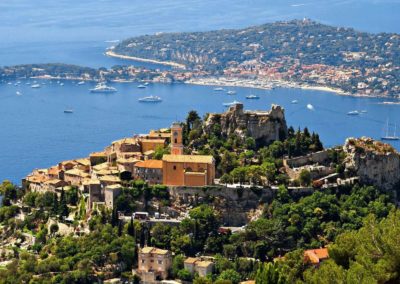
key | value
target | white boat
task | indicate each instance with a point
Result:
(252, 97)
(232, 103)
(231, 92)
(81, 83)
(353, 112)
(103, 88)
(150, 99)
(141, 86)
(61, 84)
(36, 86)
(27, 83)
(9, 83)
(295, 102)
(146, 84)
(310, 107)
(219, 89)
(69, 111)
(18, 93)
(390, 137)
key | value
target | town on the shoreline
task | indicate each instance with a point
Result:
(228, 198)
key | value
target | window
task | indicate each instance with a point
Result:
(176, 140)
(174, 167)
(142, 260)
(159, 261)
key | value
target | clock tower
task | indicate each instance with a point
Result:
(176, 139)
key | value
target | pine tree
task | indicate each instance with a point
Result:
(63, 208)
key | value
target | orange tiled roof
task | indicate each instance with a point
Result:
(189, 159)
(150, 164)
(316, 255)
(156, 141)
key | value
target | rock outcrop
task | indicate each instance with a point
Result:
(264, 126)
(374, 162)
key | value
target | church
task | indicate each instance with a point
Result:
(186, 170)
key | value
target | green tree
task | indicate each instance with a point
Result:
(230, 275)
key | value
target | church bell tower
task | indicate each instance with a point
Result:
(176, 139)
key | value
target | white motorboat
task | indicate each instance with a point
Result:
(218, 89)
(103, 88)
(232, 103)
(231, 92)
(252, 97)
(36, 86)
(150, 99)
(353, 112)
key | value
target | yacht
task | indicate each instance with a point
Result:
(150, 99)
(219, 89)
(36, 86)
(295, 102)
(146, 84)
(18, 93)
(141, 86)
(81, 83)
(61, 84)
(103, 88)
(390, 137)
(231, 92)
(353, 112)
(232, 103)
(69, 111)
(252, 97)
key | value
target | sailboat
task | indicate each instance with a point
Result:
(389, 137)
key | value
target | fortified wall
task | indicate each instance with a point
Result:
(264, 126)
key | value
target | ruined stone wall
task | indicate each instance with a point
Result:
(264, 126)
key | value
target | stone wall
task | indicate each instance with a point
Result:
(264, 126)
(313, 158)
(234, 204)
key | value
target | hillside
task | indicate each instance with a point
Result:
(358, 60)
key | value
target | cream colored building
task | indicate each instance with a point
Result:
(199, 265)
(154, 263)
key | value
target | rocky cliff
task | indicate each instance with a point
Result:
(264, 126)
(373, 162)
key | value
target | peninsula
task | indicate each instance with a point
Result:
(295, 53)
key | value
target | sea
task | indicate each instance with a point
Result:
(35, 132)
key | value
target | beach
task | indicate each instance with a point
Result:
(168, 63)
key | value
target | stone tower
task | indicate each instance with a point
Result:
(176, 139)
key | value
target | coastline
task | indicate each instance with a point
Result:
(268, 85)
(167, 63)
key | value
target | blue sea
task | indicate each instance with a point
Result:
(36, 133)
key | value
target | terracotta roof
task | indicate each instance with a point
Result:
(189, 159)
(156, 141)
(77, 172)
(248, 282)
(98, 154)
(54, 181)
(204, 263)
(53, 170)
(37, 178)
(126, 141)
(150, 164)
(190, 260)
(84, 161)
(154, 250)
(110, 178)
(316, 255)
(147, 153)
(114, 186)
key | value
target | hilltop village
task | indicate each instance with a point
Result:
(229, 198)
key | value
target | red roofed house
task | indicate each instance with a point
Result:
(315, 256)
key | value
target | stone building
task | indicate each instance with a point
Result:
(153, 264)
(199, 265)
(150, 171)
(111, 192)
